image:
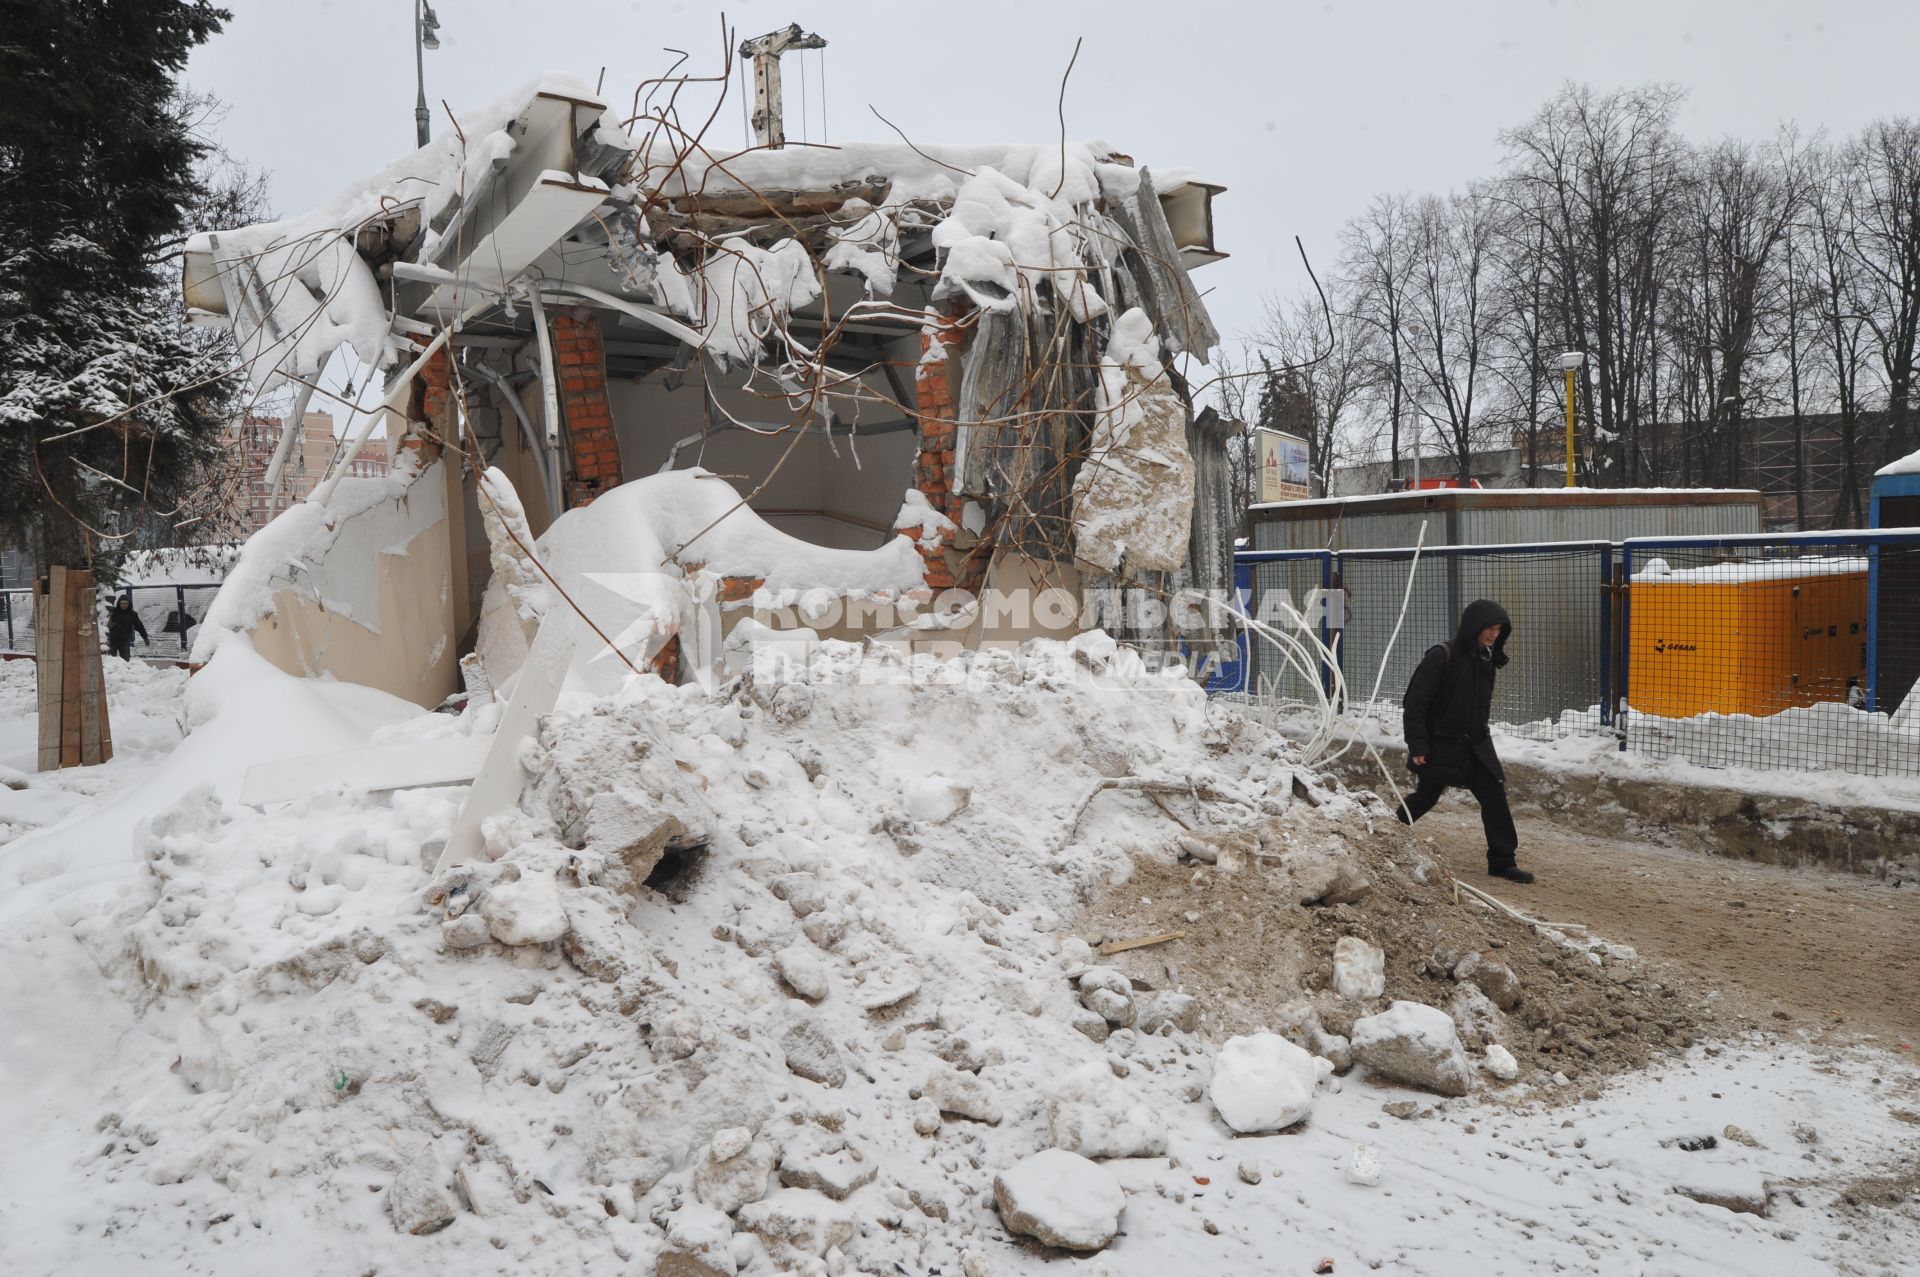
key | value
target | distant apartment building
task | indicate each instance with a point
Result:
(257, 438)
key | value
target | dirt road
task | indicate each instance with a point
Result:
(1827, 951)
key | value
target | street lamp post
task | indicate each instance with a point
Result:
(1570, 361)
(426, 24)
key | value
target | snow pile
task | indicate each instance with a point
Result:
(143, 708)
(741, 292)
(1743, 571)
(832, 1034)
(644, 559)
(1827, 737)
(561, 1061)
(1909, 464)
(1004, 239)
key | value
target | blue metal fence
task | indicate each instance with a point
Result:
(1558, 593)
(1791, 650)
(1811, 654)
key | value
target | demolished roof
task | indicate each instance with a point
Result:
(542, 189)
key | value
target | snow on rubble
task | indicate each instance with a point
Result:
(795, 978)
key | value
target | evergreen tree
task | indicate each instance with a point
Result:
(108, 407)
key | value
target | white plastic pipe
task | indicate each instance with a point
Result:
(549, 386)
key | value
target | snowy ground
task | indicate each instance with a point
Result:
(235, 1036)
(1784, 764)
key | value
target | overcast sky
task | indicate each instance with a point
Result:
(1302, 110)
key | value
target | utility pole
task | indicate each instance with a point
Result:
(768, 130)
(426, 25)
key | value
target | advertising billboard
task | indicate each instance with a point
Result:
(1283, 467)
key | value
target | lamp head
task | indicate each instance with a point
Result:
(1573, 359)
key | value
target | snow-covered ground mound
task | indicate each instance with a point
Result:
(795, 978)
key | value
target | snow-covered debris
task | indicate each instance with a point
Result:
(1495, 979)
(1364, 1166)
(1475, 1016)
(1413, 1043)
(1133, 497)
(1060, 1199)
(735, 1170)
(826, 1162)
(633, 559)
(954, 1091)
(527, 910)
(867, 245)
(799, 1221)
(1741, 1191)
(286, 1068)
(1108, 994)
(1091, 1113)
(803, 969)
(1262, 1082)
(1359, 968)
(1500, 1063)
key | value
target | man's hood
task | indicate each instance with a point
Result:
(1478, 616)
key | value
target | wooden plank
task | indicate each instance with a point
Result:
(47, 674)
(454, 760)
(70, 673)
(95, 738)
(1121, 946)
(501, 777)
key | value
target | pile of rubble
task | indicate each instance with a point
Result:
(805, 977)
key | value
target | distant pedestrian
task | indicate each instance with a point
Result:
(1448, 706)
(122, 623)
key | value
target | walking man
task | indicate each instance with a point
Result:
(1448, 704)
(121, 624)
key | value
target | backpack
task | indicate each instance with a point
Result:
(1456, 771)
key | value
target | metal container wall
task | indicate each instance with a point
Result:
(1554, 598)
(1500, 517)
(1297, 582)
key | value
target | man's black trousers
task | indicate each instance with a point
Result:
(1490, 791)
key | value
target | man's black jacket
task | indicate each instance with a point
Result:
(121, 623)
(1450, 698)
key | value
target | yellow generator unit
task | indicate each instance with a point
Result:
(1754, 637)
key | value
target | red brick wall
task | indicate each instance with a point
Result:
(580, 361)
(936, 407)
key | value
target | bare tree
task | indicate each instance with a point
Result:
(1728, 292)
(1844, 337)
(1598, 174)
(1882, 173)
(1375, 266)
(1452, 317)
(1314, 381)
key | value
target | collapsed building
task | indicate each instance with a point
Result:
(892, 378)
